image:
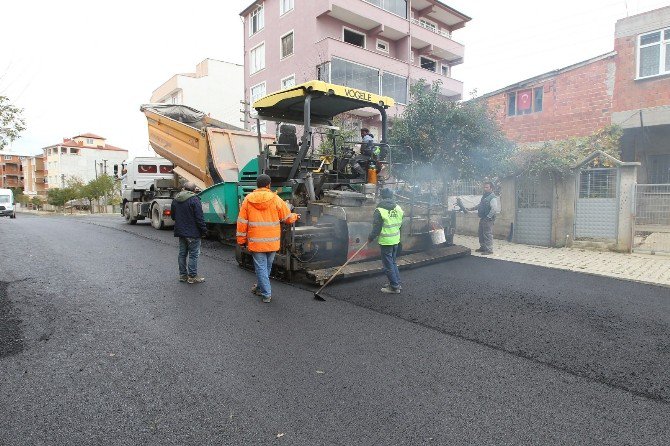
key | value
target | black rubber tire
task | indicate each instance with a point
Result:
(126, 214)
(156, 220)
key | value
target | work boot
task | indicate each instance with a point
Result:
(390, 290)
(267, 299)
(183, 277)
(195, 279)
(255, 290)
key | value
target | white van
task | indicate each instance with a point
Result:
(7, 203)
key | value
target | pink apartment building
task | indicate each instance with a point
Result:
(375, 45)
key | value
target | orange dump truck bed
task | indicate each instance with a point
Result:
(203, 150)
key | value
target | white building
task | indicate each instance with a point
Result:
(216, 88)
(84, 157)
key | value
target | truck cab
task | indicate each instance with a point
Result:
(7, 203)
(148, 185)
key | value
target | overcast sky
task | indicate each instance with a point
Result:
(85, 66)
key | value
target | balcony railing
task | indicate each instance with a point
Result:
(436, 30)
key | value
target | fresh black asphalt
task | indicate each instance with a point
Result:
(99, 344)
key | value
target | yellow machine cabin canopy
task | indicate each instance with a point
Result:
(328, 101)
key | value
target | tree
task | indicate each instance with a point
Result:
(37, 202)
(59, 197)
(11, 122)
(102, 186)
(457, 140)
(558, 158)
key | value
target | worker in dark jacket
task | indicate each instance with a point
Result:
(486, 211)
(189, 226)
(386, 224)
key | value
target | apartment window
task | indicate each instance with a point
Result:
(353, 37)
(353, 75)
(89, 140)
(323, 72)
(288, 82)
(383, 46)
(264, 127)
(654, 53)
(429, 64)
(397, 7)
(256, 21)
(257, 58)
(174, 98)
(524, 102)
(8, 157)
(74, 151)
(256, 92)
(445, 69)
(285, 6)
(286, 45)
(395, 86)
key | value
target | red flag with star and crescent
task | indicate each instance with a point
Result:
(524, 100)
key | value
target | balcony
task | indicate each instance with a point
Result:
(436, 43)
(366, 16)
(329, 48)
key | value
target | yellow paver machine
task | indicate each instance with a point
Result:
(336, 205)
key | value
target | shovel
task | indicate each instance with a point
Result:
(317, 295)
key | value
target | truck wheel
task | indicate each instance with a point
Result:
(156, 220)
(126, 214)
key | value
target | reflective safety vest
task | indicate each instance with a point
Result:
(392, 221)
(259, 221)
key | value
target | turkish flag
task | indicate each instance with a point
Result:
(524, 99)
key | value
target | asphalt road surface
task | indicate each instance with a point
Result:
(100, 344)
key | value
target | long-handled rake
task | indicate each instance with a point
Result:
(317, 295)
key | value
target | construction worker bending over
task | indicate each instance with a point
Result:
(386, 225)
(259, 227)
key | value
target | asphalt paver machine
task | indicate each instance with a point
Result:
(335, 205)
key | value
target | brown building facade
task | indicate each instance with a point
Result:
(629, 86)
(34, 180)
(11, 171)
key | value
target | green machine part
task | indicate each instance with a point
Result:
(221, 202)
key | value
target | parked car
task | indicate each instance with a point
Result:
(7, 203)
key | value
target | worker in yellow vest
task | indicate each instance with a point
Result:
(386, 224)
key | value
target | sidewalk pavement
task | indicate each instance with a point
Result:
(644, 268)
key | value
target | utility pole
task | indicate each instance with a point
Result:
(95, 165)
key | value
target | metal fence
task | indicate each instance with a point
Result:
(652, 218)
(464, 187)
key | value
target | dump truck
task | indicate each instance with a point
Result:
(148, 186)
(335, 205)
(218, 157)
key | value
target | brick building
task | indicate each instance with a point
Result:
(11, 171)
(629, 86)
(641, 103)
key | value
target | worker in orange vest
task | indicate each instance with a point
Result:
(259, 227)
